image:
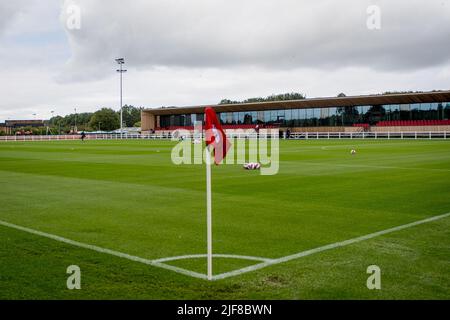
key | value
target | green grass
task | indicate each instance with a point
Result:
(128, 196)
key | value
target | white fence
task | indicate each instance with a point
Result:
(293, 136)
(88, 137)
(370, 135)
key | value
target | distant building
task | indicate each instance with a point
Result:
(430, 110)
(3, 127)
(11, 125)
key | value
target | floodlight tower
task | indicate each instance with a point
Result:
(52, 112)
(75, 128)
(121, 62)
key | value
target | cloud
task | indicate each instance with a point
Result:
(9, 10)
(282, 34)
(199, 52)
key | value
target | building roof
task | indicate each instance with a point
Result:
(402, 98)
(12, 122)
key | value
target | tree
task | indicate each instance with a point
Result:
(131, 115)
(108, 118)
(274, 97)
(68, 122)
(227, 101)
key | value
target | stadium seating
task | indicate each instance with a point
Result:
(410, 123)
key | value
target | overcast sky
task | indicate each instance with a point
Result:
(187, 52)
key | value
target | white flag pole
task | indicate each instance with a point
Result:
(209, 212)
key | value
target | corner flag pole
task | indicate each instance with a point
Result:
(215, 137)
(209, 212)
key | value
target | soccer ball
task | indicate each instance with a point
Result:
(353, 151)
(252, 166)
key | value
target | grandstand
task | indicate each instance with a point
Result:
(415, 112)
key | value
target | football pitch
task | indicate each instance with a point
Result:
(135, 223)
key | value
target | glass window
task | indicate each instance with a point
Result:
(435, 113)
(332, 118)
(178, 120)
(395, 112)
(447, 111)
(281, 117)
(425, 106)
(267, 117)
(323, 117)
(302, 117)
(199, 117)
(223, 118)
(348, 115)
(230, 117)
(295, 118)
(395, 108)
(316, 116)
(288, 114)
(164, 121)
(387, 109)
(365, 109)
(288, 117)
(248, 118)
(405, 112)
(254, 117)
(308, 117)
(273, 116)
(260, 117)
(187, 120)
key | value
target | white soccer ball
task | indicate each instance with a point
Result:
(353, 151)
(252, 166)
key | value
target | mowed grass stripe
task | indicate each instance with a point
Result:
(343, 212)
(339, 274)
(154, 209)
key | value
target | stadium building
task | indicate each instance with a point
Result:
(11, 125)
(427, 111)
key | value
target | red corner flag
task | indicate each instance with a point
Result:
(215, 135)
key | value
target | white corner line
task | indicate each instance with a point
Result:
(215, 255)
(326, 247)
(104, 250)
(266, 261)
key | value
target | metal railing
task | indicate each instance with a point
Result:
(293, 136)
(370, 135)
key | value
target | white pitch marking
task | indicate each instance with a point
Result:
(227, 256)
(103, 250)
(326, 247)
(267, 262)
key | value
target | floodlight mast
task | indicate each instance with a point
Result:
(121, 61)
(75, 129)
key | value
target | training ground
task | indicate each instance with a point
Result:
(120, 210)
